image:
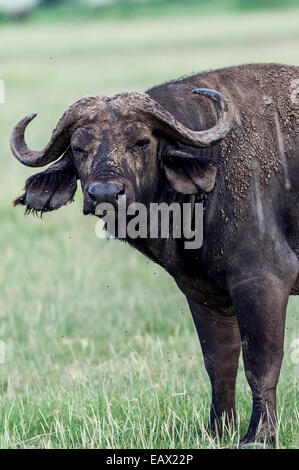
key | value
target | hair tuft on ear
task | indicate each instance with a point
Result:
(38, 214)
(19, 200)
(189, 174)
(50, 189)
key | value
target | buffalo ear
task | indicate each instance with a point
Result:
(190, 175)
(50, 189)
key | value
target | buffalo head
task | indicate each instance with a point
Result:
(115, 146)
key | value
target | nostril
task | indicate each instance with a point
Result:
(92, 191)
(119, 191)
(105, 191)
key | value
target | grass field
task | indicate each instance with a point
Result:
(100, 349)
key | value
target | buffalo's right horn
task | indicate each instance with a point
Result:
(60, 138)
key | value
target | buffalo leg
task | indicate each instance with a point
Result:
(220, 342)
(260, 302)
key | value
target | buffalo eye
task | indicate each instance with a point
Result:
(79, 152)
(142, 144)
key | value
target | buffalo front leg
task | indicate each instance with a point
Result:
(220, 342)
(260, 302)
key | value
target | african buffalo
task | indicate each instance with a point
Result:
(243, 165)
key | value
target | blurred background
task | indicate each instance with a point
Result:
(97, 345)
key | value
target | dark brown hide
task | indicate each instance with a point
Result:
(163, 147)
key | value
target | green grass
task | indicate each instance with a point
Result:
(75, 11)
(100, 346)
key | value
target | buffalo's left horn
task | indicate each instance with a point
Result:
(166, 120)
(209, 137)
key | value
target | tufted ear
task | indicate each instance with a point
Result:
(189, 174)
(50, 189)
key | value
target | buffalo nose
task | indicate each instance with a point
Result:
(105, 192)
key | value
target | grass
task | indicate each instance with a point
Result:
(75, 11)
(127, 9)
(100, 349)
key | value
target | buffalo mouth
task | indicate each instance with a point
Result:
(100, 209)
